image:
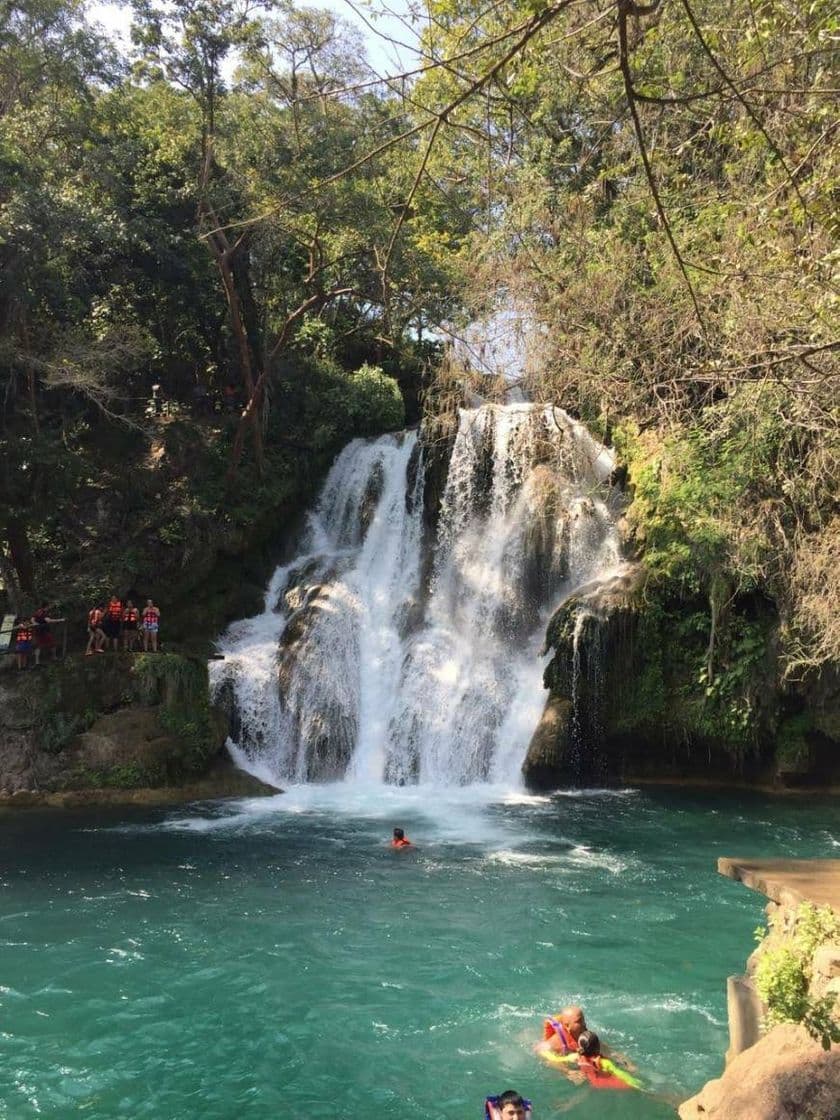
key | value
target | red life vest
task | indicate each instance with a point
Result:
(115, 610)
(151, 614)
(131, 615)
(94, 617)
(24, 633)
(567, 1042)
(401, 843)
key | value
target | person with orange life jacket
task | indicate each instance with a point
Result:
(151, 626)
(400, 840)
(560, 1045)
(561, 1033)
(112, 622)
(130, 626)
(96, 635)
(24, 639)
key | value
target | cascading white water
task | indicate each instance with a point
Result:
(363, 667)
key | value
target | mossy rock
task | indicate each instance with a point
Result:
(110, 721)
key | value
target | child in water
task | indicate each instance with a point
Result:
(507, 1106)
(599, 1071)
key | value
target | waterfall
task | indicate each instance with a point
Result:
(386, 652)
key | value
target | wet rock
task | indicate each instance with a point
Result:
(370, 498)
(548, 750)
(321, 708)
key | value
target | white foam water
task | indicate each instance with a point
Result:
(385, 657)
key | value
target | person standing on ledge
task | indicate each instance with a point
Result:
(400, 840)
(151, 626)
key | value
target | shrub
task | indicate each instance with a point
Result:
(375, 404)
(782, 977)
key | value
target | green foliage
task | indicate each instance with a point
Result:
(783, 975)
(170, 679)
(127, 775)
(792, 747)
(179, 685)
(815, 925)
(110, 288)
(58, 728)
(376, 403)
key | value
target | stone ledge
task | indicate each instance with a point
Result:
(788, 882)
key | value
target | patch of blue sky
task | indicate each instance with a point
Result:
(390, 32)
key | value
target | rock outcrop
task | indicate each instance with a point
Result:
(585, 634)
(785, 1076)
(111, 722)
(787, 1073)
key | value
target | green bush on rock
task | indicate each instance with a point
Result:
(783, 976)
(179, 685)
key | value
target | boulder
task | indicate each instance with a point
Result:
(785, 1076)
(549, 745)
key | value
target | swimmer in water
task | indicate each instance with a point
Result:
(400, 839)
(507, 1106)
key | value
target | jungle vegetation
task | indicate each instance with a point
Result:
(242, 200)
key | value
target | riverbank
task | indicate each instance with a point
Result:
(222, 781)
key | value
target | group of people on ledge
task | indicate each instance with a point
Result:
(108, 626)
(33, 637)
(567, 1044)
(119, 622)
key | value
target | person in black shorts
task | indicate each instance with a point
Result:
(130, 626)
(112, 622)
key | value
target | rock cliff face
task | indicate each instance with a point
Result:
(115, 721)
(785, 1076)
(588, 635)
(643, 698)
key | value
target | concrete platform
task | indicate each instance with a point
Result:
(788, 882)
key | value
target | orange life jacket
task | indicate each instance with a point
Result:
(94, 617)
(115, 609)
(554, 1026)
(401, 843)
